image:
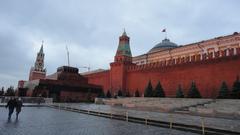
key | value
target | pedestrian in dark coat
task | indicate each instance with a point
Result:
(11, 105)
(19, 105)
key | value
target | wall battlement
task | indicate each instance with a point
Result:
(195, 59)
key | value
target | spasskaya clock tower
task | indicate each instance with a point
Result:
(38, 71)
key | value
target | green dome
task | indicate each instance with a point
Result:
(164, 45)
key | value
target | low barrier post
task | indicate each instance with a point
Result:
(170, 121)
(146, 121)
(203, 126)
(127, 116)
(98, 111)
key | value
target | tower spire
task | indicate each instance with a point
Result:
(124, 32)
(41, 49)
(123, 52)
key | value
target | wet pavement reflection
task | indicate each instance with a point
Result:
(49, 121)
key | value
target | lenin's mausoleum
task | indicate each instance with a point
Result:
(208, 63)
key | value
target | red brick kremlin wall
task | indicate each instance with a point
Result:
(100, 78)
(208, 75)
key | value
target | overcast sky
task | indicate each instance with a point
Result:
(91, 29)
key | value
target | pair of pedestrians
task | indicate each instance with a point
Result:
(14, 103)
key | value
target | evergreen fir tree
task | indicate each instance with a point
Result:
(159, 92)
(88, 96)
(236, 89)
(137, 94)
(193, 92)
(2, 92)
(149, 90)
(179, 93)
(128, 94)
(101, 94)
(109, 94)
(120, 94)
(10, 91)
(223, 92)
(44, 94)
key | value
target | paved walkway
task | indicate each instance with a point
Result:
(218, 123)
(49, 121)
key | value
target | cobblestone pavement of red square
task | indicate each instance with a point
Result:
(49, 121)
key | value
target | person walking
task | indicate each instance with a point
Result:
(10, 105)
(19, 105)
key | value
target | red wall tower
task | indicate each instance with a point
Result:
(122, 60)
